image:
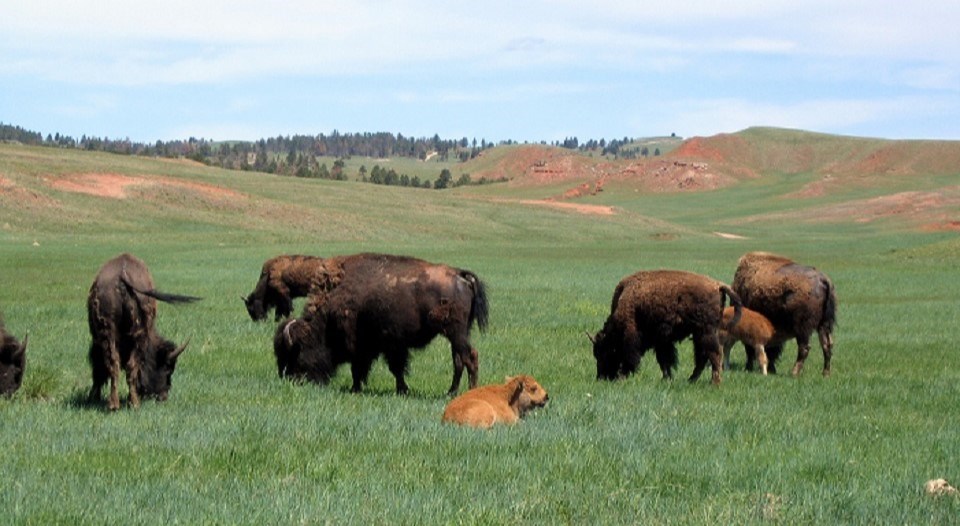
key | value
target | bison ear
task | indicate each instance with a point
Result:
(178, 351)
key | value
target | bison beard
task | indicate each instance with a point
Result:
(657, 309)
(13, 361)
(797, 299)
(384, 305)
(121, 312)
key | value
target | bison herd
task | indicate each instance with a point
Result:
(363, 306)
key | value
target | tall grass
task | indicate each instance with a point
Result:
(235, 444)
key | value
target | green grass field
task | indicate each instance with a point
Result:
(234, 444)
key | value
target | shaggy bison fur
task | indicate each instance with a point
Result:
(384, 305)
(500, 403)
(122, 311)
(656, 309)
(284, 278)
(797, 300)
(13, 361)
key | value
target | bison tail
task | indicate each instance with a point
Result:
(829, 319)
(479, 307)
(737, 306)
(156, 294)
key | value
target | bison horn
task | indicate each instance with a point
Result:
(286, 333)
(591, 337)
(179, 350)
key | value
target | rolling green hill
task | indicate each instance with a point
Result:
(235, 444)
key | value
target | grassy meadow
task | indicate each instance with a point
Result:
(235, 444)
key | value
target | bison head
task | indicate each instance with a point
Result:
(255, 307)
(13, 360)
(301, 353)
(528, 392)
(155, 377)
(606, 355)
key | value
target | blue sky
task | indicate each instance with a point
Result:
(496, 70)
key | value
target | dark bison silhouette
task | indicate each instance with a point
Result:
(384, 305)
(122, 311)
(13, 361)
(283, 278)
(656, 309)
(796, 298)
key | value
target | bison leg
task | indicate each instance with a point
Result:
(133, 380)
(773, 352)
(100, 372)
(706, 347)
(666, 359)
(360, 369)
(826, 343)
(397, 361)
(463, 355)
(751, 363)
(762, 358)
(727, 347)
(803, 350)
(113, 367)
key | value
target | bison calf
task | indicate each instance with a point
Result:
(492, 404)
(657, 309)
(754, 330)
(122, 312)
(13, 361)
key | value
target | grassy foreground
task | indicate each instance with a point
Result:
(235, 444)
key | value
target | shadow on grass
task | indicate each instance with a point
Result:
(80, 400)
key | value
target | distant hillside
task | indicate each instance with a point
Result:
(703, 163)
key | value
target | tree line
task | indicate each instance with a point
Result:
(300, 155)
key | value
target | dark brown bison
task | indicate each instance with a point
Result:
(797, 299)
(284, 278)
(656, 309)
(384, 305)
(122, 310)
(13, 360)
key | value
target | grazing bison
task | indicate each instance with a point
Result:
(13, 360)
(286, 277)
(504, 403)
(122, 310)
(797, 299)
(656, 309)
(384, 305)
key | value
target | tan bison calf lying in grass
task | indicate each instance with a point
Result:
(753, 329)
(500, 403)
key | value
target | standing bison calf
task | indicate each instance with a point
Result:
(122, 311)
(797, 300)
(753, 329)
(284, 278)
(384, 305)
(13, 360)
(657, 309)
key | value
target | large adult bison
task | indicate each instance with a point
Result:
(656, 309)
(122, 311)
(384, 305)
(13, 361)
(796, 298)
(286, 277)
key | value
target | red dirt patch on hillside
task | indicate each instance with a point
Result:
(118, 186)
